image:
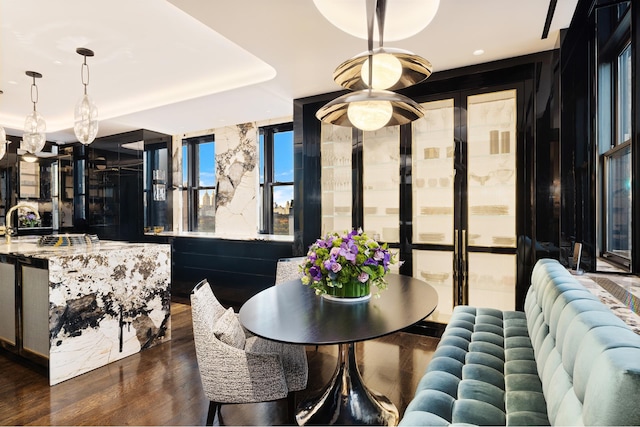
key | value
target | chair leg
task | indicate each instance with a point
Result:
(211, 415)
(291, 407)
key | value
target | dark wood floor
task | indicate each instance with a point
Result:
(161, 385)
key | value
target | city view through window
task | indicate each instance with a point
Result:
(275, 181)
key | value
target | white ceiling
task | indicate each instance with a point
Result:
(189, 65)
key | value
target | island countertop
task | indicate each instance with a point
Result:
(27, 246)
(82, 307)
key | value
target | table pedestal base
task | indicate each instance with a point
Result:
(346, 400)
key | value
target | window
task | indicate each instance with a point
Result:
(198, 183)
(614, 135)
(276, 179)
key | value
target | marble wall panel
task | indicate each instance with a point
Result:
(237, 175)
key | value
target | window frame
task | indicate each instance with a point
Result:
(616, 40)
(269, 181)
(193, 186)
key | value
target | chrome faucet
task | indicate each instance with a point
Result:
(8, 226)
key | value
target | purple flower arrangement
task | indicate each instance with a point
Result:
(28, 220)
(337, 260)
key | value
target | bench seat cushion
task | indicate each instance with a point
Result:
(482, 373)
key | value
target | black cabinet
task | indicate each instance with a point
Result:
(236, 269)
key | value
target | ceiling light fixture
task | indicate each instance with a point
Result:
(405, 18)
(86, 113)
(371, 107)
(393, 68)
(34, 138)
(3, 139)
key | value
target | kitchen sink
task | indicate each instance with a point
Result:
(65, 240)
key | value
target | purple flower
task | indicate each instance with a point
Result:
(316, 273)
(349, 250)
(378, 255)
(363, 277)
(312, 256)
(385, 261)
(323, 243)
(370, 261)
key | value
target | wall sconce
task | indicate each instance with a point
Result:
(29, 157)
(34, 138)
(100, 163)
(86, 113)
(3, 139)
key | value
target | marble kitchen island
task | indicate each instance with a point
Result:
(76, 308)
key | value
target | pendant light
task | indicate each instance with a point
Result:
(393, 68)
(34, 138)
(86, 113)
(371, 108)
(3, 139)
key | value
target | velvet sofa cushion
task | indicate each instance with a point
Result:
(566, 360)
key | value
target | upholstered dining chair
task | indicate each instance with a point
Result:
(236, 366)
(287, 269)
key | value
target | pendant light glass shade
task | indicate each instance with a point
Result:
(85, 120)
(368, 109)
(35, 128)
(392, 69)
(34, 137)
(86, 113)
(406, 18)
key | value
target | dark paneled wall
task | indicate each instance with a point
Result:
(577, 148)
(236, 269)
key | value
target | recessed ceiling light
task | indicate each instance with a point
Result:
(478, 52)
(57, 62)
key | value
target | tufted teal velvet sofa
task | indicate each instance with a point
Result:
(566, 360)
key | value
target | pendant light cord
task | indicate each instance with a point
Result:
(371, 9)
(381, 11)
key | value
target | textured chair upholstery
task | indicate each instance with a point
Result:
(260, 371)
(287, 269)
(566, 360)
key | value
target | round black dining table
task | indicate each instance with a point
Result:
(292, 313)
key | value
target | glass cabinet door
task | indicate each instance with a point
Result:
(380, 182)
(491, 193)
(464, 200)
(433, 174)
(336, 181)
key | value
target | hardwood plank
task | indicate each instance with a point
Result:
(161, 385)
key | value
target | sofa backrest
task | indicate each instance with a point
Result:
(587, 358)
